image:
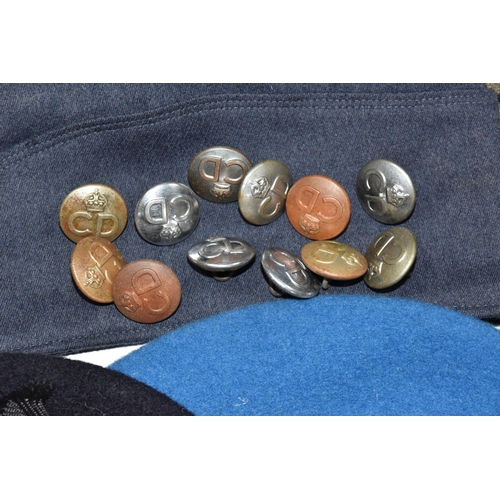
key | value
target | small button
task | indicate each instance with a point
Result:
(288, 275)
(318, 207)
(385, 191)
(390, 256)
(216, 173)
(146, 291)
(93, 210)
(263, 192)
(167, 213)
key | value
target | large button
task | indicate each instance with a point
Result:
(95, 262)
(390, 256)
(288, 275)
(167, 213)
(263, 192)
(146, 291)
(385, 191)
(93, 210)
(318, 207)
(216, 173)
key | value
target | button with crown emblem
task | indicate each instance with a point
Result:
(93, 210)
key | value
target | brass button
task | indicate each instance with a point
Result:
(318, 207)
(93, 210)
(216, 173)
(95, 262)
(390, 256)
(263, 192)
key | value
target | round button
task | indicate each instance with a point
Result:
(93, 210)
(167, 213)
(216, 173)
(146, 291)
(263, 192)
(318, 207)
(95, 262)
(385, 191)
(390, 256)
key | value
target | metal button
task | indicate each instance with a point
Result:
(263, 192)
(318, 207)
(288, 275)
(221, 255)
(333, 261)
(146, 291)
(390, 256)
(385, 191)
(216, 173)
(95, 262)
(93, 210)
(167, 213)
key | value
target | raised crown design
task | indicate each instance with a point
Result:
(95, 202)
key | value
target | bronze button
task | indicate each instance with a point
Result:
(93, 210)
(318, 207)
(95, 262)
(146, 291)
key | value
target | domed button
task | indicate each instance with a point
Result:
(95, 262)
(93, 210)
(146, 291)
(167, 213)
(390, 256)
(288, 275)
(221, 256)
(216, 173)
(385, 191)
(333, 261)
(318, 207)
(263, 192)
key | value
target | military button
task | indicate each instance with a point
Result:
(333, 261)
(167, 213)
(385, 191)
(221, 255)
(146, 291)
(216, 173)
(390, 256)
(263, 192)
(318, 207)
(93, 210)
(288, 275)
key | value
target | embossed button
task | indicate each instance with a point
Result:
(167, 213)
(216, 173)
(221, 255)
(318, 207)
(390, 256)
(93, 210)
(385, 191)
(263, 192)
(146, 291)
(288, 275)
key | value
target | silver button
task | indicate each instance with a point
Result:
(167, 213)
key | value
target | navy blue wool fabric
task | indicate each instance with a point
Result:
(341, 355)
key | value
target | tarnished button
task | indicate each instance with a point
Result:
(216, 173)
(167, 213)
(288, 275)
(390, 256)
(385, 191)
(318, 207)
(333, 261)
(93, 210)
(95, 262)
(221, 255)
(263, 192)
(146, 291)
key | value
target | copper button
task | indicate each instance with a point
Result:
(318, 207)
(146, 291)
